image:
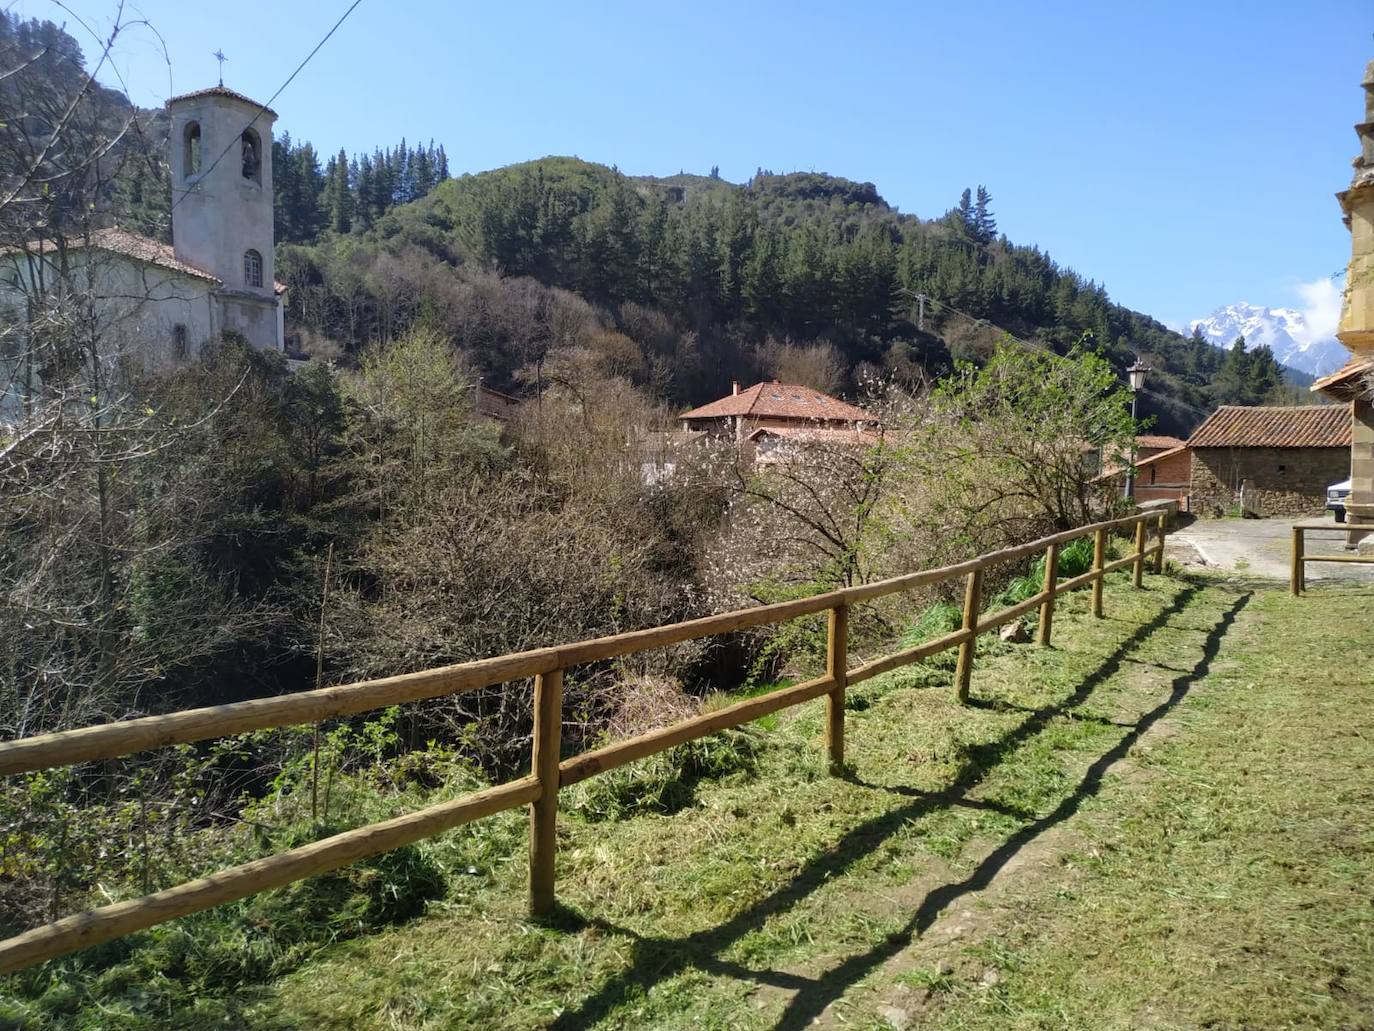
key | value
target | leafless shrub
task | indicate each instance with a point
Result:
(646, 702)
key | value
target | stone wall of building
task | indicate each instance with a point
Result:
(1279, 481)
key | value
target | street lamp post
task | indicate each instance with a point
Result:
(1135, 373)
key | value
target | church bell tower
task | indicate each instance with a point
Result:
(220, 146)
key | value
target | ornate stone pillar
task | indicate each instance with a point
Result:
(1355, 382)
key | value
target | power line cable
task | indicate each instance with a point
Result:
(265, 107)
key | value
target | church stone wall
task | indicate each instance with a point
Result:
(1279, 481)
(144, 307)
(253, 319)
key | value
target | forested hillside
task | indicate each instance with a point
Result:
(700, 282)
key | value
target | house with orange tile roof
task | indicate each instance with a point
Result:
(1274, 461)
(775, 406)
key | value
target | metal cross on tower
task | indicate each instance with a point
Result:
(218, 55)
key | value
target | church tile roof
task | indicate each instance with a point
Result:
(220, 91)
(780, 401)
(125, 244)
(1253, 426)
(146, 249)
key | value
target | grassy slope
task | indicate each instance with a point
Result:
(990, 867)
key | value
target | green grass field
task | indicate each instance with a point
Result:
(1163, 822)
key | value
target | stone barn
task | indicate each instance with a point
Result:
(1283, 458)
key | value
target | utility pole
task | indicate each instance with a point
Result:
(920, 300)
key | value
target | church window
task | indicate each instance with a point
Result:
(252, 156)
(191, 159)
(252, 268)
(179, 348)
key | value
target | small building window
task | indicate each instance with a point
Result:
(190, 161)
(252, 156)
(1282, 469)
(252, 269)
(179, 348)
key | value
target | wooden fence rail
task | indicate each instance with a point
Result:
(548, 771)
(1297, 583)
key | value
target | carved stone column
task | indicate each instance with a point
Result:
(1355, 382)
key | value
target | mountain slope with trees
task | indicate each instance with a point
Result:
(705, 282)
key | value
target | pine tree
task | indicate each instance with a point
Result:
(338, 195)
(966, 216)
(984, 225)
(1264, 377)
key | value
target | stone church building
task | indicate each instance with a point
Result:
(158, 304)
(222, 209)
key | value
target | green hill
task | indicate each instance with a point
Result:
(724, 268)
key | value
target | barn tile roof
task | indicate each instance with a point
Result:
(1157, 440)
(781, 401)
(220, 91)
(1251, 426)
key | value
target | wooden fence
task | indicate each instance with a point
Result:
(1297, 581)
(548, 772)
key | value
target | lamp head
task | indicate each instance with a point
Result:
(1136, 372)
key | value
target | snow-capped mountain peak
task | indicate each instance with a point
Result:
(1284, 330)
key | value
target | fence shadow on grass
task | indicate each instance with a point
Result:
(656, 959)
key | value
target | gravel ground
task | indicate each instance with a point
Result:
(1261, 547)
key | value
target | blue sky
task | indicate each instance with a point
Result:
(1184, 154)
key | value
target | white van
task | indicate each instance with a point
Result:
(1336, 496)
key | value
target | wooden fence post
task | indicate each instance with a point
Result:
(1099, 560)
(963, 673)
(1138, 570)
(548, 726)
(1296, 578)
(836, 665)
(1047, 606)
(1163, 529)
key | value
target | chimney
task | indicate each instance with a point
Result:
(734, 387)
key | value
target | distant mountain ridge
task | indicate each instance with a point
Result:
(1284, 331)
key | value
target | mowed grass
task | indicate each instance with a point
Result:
(1163, 821)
